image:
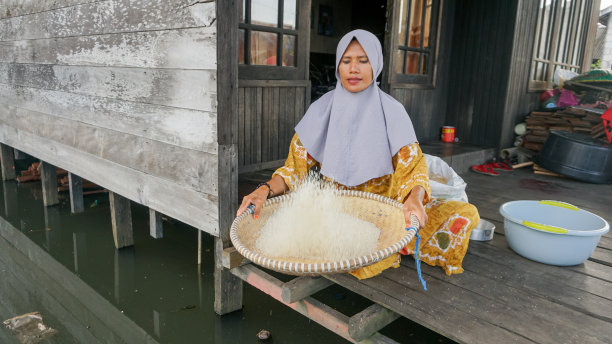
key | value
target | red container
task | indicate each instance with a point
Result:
(448, 134)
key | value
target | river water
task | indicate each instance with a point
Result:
(66, 267)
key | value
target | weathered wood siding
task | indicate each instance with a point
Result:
(268, 111)
(427, 106)
(479, 69)
(123, 93)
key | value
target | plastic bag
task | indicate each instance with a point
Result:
(445, 182)
(561, 75)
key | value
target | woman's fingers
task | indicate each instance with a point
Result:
(246, 202)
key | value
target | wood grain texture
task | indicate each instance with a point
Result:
(190, 89)
(16, 8)
(186, 167)
(121, 220)
(75, 188)
(268, 116)
(111, 16)
(192, 129)
(156, 228)
(184, 204)
(228, 288)
(191, 48)
(48, 179)
(7, 160)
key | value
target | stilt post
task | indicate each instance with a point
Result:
(228, 288)
(7, 159)
(49, 184)
(121, 219)
(156, 228)
(75, 185)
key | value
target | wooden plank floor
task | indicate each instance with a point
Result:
(502, 297)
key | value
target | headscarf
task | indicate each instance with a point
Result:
(355, 135)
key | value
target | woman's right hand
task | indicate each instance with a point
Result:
(255, 198)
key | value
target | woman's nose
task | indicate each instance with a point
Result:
(354, 67)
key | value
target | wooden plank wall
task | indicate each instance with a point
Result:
(427, 106)
(119, 92)
(518, 102)
(479, 69)
(268, 112)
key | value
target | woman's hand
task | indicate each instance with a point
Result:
(255, 198)
(259, 195)
(414, 205)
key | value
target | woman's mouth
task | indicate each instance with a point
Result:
(353, 81)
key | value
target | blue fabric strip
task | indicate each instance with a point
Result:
(416, 257)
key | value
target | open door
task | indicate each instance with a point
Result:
(274, 91)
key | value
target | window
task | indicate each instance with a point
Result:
(560, 39)
(268, 37)
(415, 41)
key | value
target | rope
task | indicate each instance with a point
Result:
(416, 257)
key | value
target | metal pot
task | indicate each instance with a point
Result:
(577, 156)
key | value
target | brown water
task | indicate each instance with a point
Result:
(66, 267)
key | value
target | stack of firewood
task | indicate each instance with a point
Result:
(582, 121)
(33, 173)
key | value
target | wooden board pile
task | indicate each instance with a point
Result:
(582, 121)
(33, 173)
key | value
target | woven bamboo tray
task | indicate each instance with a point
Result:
(383, 212)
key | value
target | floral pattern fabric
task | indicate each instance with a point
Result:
(445, 237)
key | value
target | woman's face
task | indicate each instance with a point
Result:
(355, 69)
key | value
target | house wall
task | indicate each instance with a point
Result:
(479, 68)
(120, 92)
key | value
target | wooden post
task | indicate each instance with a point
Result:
(156, 228)
(11, 199)
(121, 219)
(19, 155)
(228, 288)
(49, 184)
(75, 188)
(7, 159)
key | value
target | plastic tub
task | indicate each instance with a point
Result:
(552, 232)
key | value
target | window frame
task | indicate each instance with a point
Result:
(261, 72)
(553, 37)
(420, 81)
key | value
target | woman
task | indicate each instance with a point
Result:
(362, 139)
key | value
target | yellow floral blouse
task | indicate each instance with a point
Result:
(445, 237)
(409, 166)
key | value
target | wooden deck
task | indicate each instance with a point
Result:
(501, 297)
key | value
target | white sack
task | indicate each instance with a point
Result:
(445, 182)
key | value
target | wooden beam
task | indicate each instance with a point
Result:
(19, 155)
(121, 219)
(75, 188)
(156, 229)
(49, 183)
(7, 159)
(228, 288)
(302, 287)
(309, 307)
(369, 321)
(231, 258)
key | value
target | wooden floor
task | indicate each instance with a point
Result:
(502, 297)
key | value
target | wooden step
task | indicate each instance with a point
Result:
(318, 311)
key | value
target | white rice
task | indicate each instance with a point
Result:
(313, 225)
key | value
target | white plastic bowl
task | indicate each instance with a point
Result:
(552, 232)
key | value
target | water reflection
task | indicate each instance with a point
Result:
(66, 267)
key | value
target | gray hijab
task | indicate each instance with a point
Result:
(355, 135)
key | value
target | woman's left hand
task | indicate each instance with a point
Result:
(414, 205)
